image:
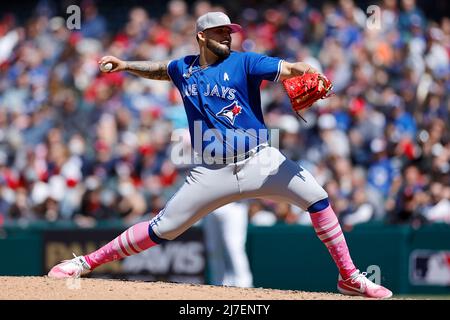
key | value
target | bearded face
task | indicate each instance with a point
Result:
(220, 49)
(218, 40)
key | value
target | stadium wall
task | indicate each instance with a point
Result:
(407, 260)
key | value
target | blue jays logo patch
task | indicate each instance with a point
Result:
(230, 112)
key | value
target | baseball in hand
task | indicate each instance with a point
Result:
(105, 67)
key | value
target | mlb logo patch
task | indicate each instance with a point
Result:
(429, 268)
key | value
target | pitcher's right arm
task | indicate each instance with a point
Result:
(155, 70)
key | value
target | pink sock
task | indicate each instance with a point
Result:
(330, 233)
(132, 241)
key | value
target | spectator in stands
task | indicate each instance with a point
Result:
(438, 209)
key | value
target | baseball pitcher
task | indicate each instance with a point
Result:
(233, 157)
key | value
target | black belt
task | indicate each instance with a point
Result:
(240, 157)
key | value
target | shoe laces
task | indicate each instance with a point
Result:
(77, 261)
(360, 278)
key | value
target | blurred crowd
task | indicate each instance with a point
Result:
(79, 144)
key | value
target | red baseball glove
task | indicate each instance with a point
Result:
(306, 89)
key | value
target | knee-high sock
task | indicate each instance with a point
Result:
(132, 241)
(330, 233)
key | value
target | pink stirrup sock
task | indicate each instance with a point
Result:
(330, 233)
(132, 241)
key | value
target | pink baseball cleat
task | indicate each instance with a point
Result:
(359, 285)
(73, 268)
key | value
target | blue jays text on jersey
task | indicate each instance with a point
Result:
(221, 92)
(225, 96)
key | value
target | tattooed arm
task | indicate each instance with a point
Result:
(146, 69)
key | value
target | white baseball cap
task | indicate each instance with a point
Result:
(214, 20)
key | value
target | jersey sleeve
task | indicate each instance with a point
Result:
(173, 70)
(176, 69)
(263, 67)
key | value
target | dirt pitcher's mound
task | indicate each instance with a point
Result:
(44, 288)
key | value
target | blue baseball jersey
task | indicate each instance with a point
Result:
(223, 101)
